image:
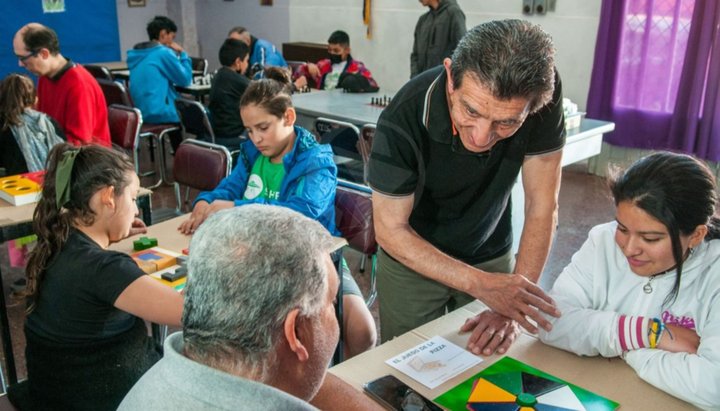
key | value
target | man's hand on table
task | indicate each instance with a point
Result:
(201, 212)
(491, 332)
(516, 297)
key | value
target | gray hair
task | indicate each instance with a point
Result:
(513, 58)
(248, 268)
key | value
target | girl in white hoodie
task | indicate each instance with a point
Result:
(646, 286)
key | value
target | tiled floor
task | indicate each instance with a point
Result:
(584, 202)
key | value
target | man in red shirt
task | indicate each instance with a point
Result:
(66, 91)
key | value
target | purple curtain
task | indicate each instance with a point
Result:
(695, 126)
(653, 76)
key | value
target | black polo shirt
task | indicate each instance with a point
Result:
(462, 199)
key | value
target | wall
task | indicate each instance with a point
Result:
(215, 18)
(573, 26)
(133, 20)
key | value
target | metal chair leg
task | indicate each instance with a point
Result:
(362, 263)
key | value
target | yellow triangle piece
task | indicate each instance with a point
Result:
(485, 391)
(527, 409)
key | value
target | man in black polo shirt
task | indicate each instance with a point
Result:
(445, 157)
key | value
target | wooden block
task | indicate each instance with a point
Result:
(144, 243)
(153, 256)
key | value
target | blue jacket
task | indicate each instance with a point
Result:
(265, 54)
(308, 187)
(154, 71)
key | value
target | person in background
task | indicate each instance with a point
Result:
(446, 154)
(283, 164)
(26, 135)
(332, 72)
(437, 33)
(259, 325)
(228, 85)
(646, 286)
(156, 66)
(262, 52)
(66, 91)
(87, 342)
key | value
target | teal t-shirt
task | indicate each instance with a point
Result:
(265, 180)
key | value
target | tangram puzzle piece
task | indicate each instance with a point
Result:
(144, 243)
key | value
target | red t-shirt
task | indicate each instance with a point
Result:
(74, 99)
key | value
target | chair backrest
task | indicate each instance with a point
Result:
(115, 93)
(194, 119)
(354, 217)
(199, 64)
(99, 72)
(125, 123)
(201, 165)
(343, 137)
(364, 146)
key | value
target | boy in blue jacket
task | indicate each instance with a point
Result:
(282, 164)
(156, 66)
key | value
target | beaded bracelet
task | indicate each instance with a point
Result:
(655, 332)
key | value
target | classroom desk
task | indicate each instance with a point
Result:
(353, 108)
(199, 91)
(124, 74)
(171, 239)
(113, 66)
(16, 222)
(611, 378)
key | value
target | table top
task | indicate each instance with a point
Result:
(11, 215)
(112, 65)
(124, 73)
(166, 233)
(194, 89)
(609, 377)
(171, 239)
(588, 128)
(355, 108)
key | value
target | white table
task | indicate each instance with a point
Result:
(610, 378)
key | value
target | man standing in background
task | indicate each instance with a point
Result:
(437, 33)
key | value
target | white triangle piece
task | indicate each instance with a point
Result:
(562, 397)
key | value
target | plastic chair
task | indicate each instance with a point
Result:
(194, 119)
(364, 146)
(125, 124)
(99, 72)
(199, 165)
(343, 138)
(354, 219)
(116, 93)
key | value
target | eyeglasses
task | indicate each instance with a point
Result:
(32, 54)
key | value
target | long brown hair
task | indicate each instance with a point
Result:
(677, 190)
(95, 168)
(17, 92)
